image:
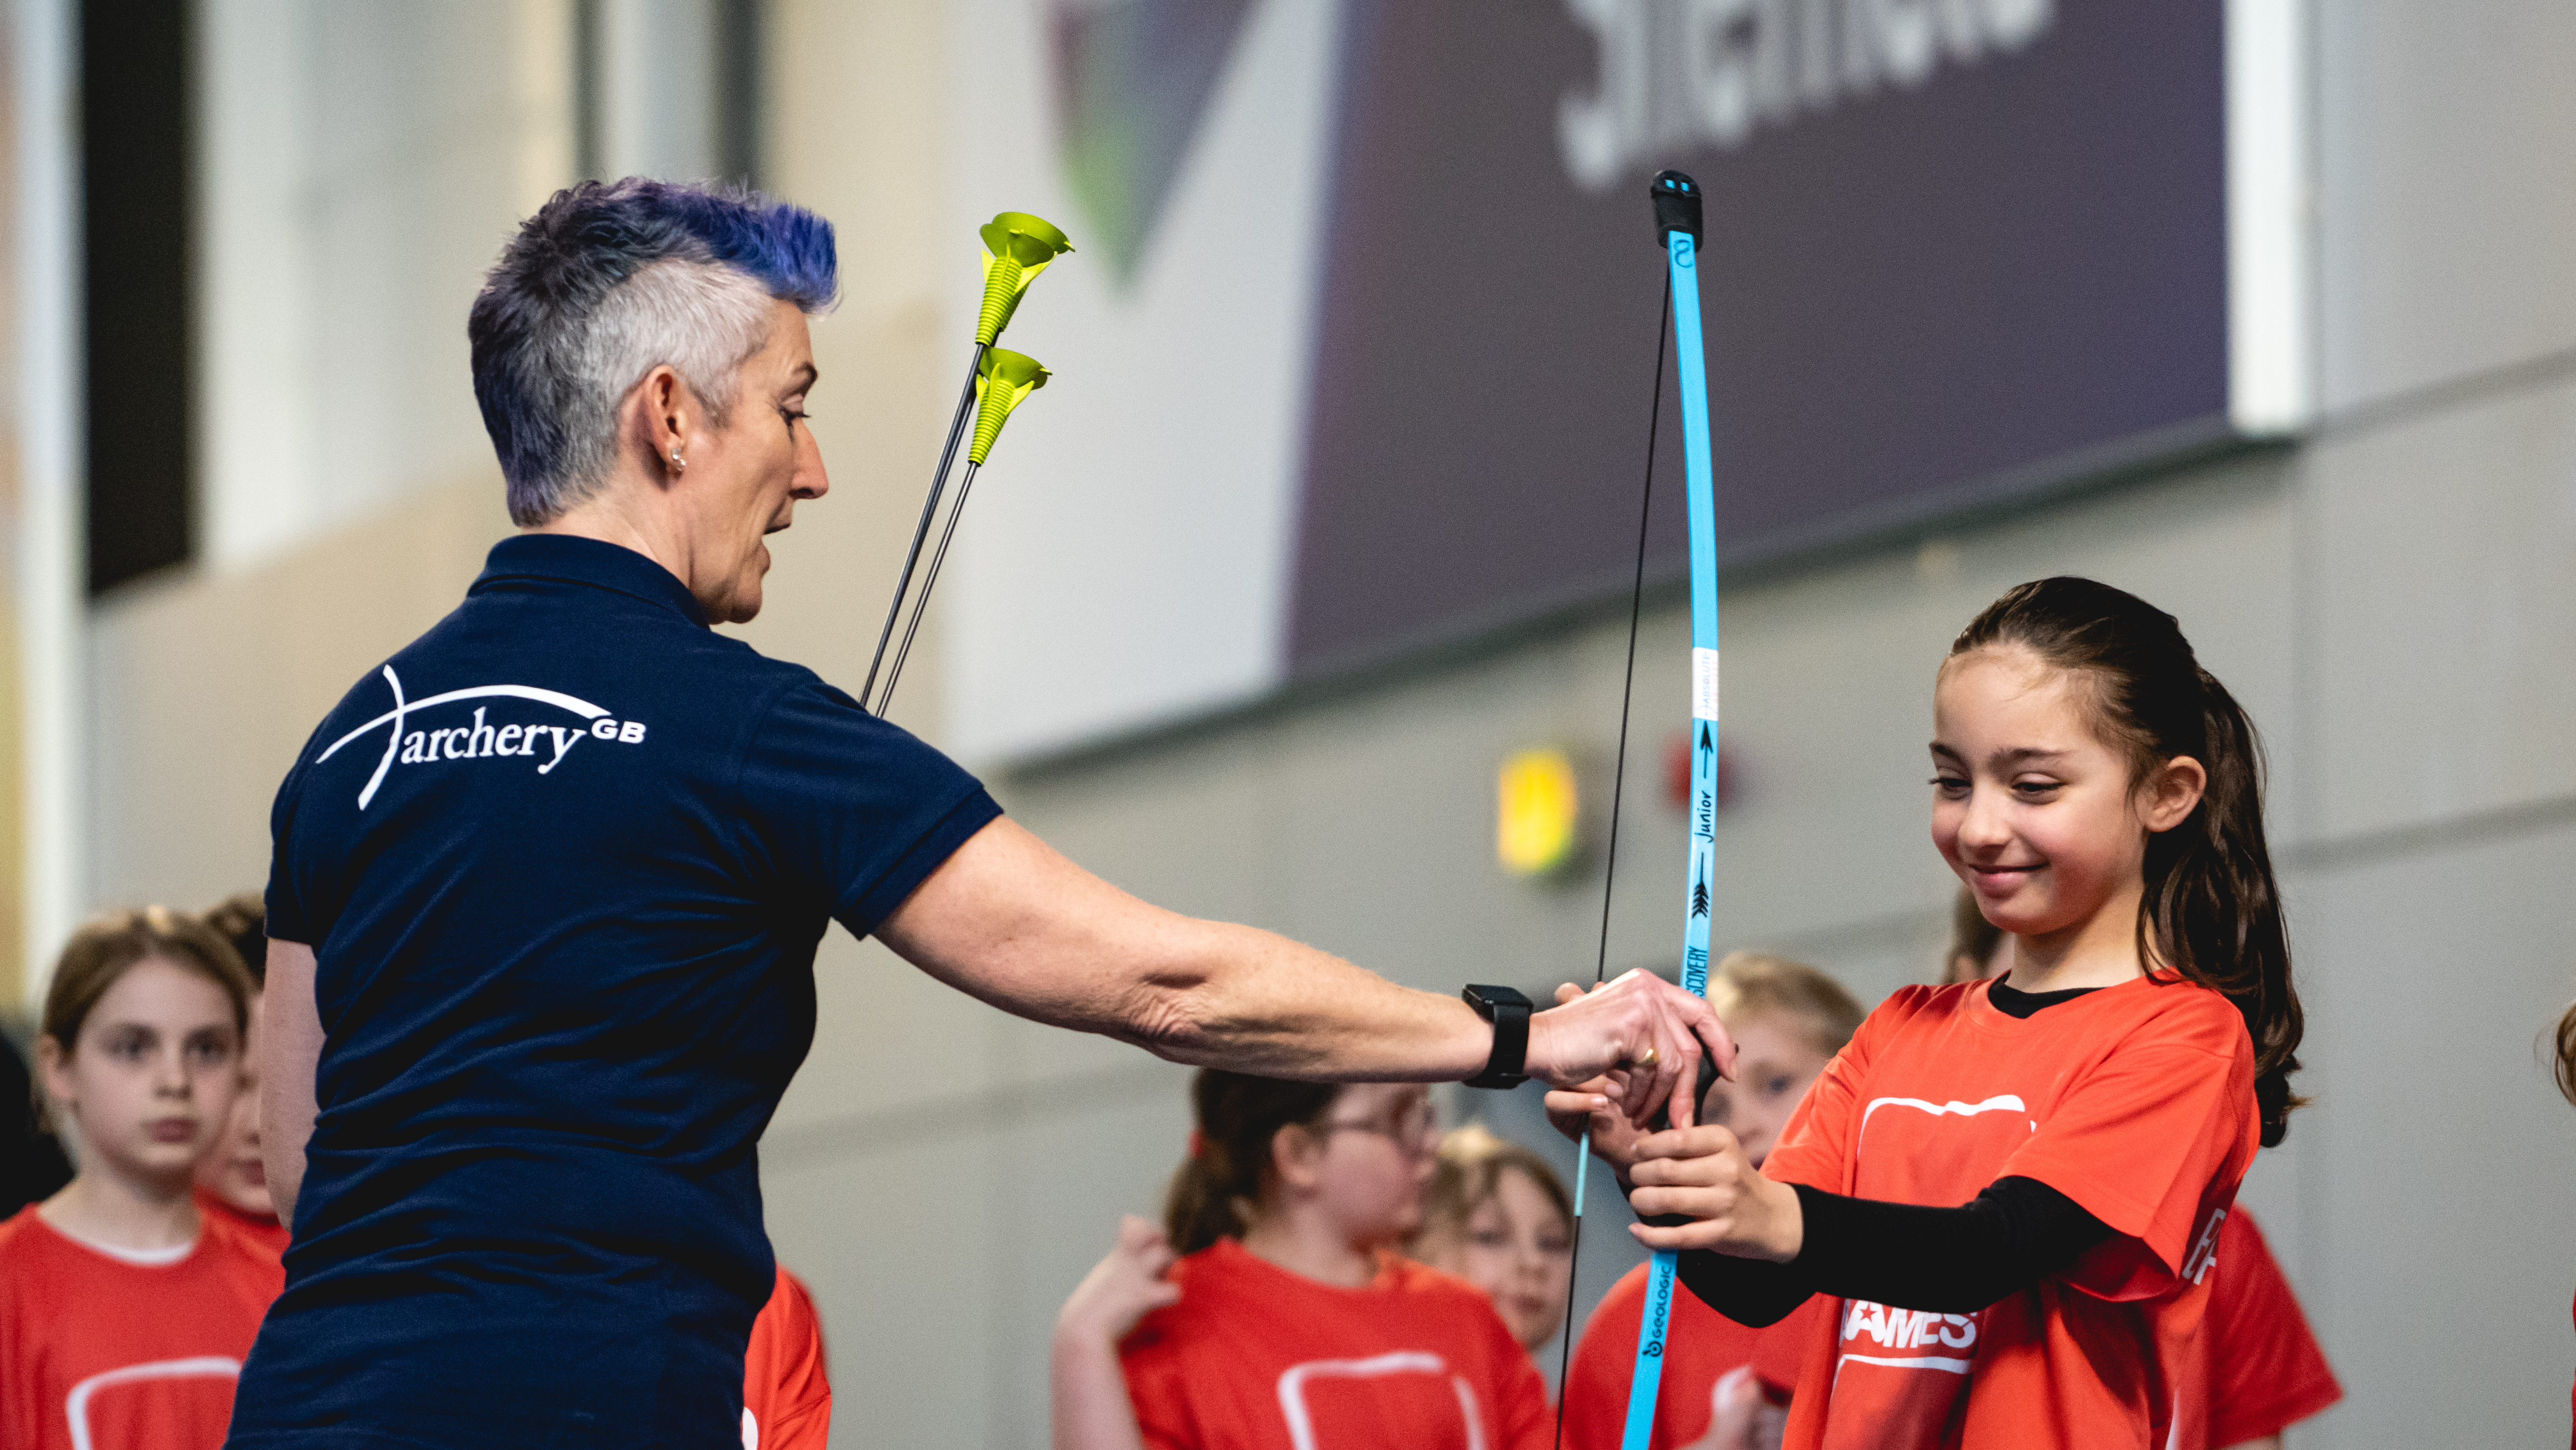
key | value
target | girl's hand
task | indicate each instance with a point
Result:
(1702, 1173)
(1735, 1413)
(1589, 1106)
(1122, 1288)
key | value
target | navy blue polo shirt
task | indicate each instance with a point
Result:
(563, 863)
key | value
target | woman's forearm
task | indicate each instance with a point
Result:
(1087, 1389)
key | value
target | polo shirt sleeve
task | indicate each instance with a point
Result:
(848, 812)
(288, 917)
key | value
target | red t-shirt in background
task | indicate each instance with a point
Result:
(2265, 1371)
(1700, 1346)
(1254, 1357)
(102, 1351)
(786, 1396)
(2135, 1101)
(261, 1229)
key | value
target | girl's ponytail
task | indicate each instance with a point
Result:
(2564, 1069)
(2212, 909)
(1218, 1187)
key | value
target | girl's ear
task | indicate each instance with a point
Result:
(2172, 793)
(54, 1069)
(1293, 1155)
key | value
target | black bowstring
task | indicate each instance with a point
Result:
(1618, 789)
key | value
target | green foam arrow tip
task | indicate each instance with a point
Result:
(1017, 247)
(1004, 379)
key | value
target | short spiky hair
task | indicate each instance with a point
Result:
(608, 281)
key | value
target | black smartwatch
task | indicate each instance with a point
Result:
(1509, 1011)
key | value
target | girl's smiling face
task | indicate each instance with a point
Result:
(2044, 820)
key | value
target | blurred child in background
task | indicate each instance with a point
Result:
(786, 1395)
(1498, 1217)
(1287, 1321)
(232, 1179)
(1725, 1387)
(2265, 1370)
(124, 1312)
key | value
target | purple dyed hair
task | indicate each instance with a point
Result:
(537, 329)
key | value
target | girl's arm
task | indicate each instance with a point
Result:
(1088, 1384)
(1774, 1243)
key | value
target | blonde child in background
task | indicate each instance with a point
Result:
(232, 1179)
(124, 1311)
(1498, 1217)
(2265, 1370)
(1725, 1387)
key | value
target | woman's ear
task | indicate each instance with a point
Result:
(2172, 793)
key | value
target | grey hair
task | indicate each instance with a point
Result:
(609, 281)
(702, 318)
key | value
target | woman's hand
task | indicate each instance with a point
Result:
(1122, 1288)
(1702, 1174)
(1588, 1108)
(1635, 1040)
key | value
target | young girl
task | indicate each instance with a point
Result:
(2266, 1371)
(1724, 1385)
(124, 1314)
(2014, 1188)
(1497, 1217)
(1287, 1323)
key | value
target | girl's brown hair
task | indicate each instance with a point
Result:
(1973, 940)
(2564, 1069)
(101, 951)
(1218, 1187)
(1470, 1170)
(2212, 910)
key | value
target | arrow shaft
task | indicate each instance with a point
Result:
(921, 530)
(1681, 253)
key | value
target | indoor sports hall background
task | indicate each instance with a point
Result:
(2264, 309)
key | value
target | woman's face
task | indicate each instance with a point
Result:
(234, 1170)
(151, 1079)
(1515, 1249)
(747, 476)
(1775, 1062)
(2033, 812)
(1373, 1152)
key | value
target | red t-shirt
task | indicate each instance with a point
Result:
(786, 1397)
(1700, 1346)
(2137, 1102)
(101, 1351)
(1254, 1357)
(261, 1229)
(2265, 1372)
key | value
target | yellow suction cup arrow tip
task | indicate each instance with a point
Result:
(1005, 378)
(1017, 247)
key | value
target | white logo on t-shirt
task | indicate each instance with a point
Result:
(481, 740)
(76, 1404)
(1301, 1423)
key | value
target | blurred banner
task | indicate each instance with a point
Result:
(1368, 339)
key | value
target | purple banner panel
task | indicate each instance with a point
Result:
(1957, 251)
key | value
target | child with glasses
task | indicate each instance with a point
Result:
(1271, 1312)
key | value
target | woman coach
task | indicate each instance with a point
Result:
(547, 886)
